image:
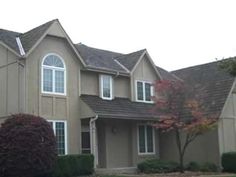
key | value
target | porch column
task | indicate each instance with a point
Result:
(93, 139)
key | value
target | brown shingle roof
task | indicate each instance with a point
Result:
(121, 108)
(214, 84)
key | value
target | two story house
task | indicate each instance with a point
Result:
(99, 101)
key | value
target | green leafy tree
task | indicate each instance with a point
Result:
(229, 65)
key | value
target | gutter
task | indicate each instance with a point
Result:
(93, 139)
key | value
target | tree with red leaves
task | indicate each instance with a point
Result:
(181, 113)
(27, 147)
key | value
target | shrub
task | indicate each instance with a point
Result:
(209, 167)
(157, 166)
(193, 166)
(74, 165)
(229, 162)
(27, 146)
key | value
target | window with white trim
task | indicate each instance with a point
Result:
(106, 87)
(146, 139)
(60, 131)
(144, 91)
(53, 75)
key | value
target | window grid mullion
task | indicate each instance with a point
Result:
(144, 91)
(53, 80)
(145, 137)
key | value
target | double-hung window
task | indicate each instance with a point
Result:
(106, 87)
(60, 131)
(53, 75)
(144, 91)
(146, 144)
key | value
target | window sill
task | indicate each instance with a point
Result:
(141, 101)
(147, 154)
(53, 94)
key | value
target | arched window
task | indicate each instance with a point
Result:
(53, 75)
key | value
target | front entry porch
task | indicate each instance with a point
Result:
(121, 143)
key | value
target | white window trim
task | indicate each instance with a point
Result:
(154, 143)
(144, 94)
(53, 75)
(54, 130)
(101, 87)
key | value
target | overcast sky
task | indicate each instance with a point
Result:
(176, 33)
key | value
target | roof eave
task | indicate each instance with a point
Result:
(103, 70)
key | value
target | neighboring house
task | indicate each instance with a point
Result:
(100, 101)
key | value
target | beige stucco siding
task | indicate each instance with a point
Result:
(144, 72)
(51, 106)
(122, 87)
(118, 145)
(10, 88)
(203, 149)
(227, 125)
(90, 84)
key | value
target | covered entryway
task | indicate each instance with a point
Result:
(120, 134)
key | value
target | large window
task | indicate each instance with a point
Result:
(144, 91)
(60, 131)
(146, 139)
(53, 75)
(106, 87)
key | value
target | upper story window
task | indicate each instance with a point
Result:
(144, 91)
(106, 87)
(53, 75)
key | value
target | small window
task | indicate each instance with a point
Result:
(86, 143)
(53, 75)
(106, 87)
(144, 91)
(59, 128)
(145, 139)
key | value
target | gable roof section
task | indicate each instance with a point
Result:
(130, 60)
(30, 38)
(167, 75)
(97, 58)
(214, 84)
(9, 39)
(121, 108)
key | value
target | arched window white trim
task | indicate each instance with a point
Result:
(53, 75)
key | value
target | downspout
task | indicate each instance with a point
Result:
(93, 141)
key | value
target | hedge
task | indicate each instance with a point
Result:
(228, 161)
(157, 166)
(73, 165)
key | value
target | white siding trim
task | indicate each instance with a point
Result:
(21, 49)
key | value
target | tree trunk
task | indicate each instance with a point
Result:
(181, 162)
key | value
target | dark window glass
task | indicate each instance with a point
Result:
(85, 142)
(140, 90)
(141, 139)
